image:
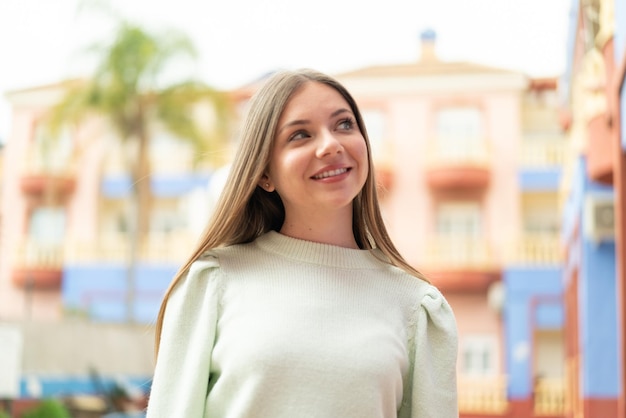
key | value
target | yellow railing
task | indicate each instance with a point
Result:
(174, 247)
(178, 159)
(482, 395)
(541, 153)
(550, 397)
(458, 251)
(33, 254)
(536, 249)
(37, 162)
(470, 151)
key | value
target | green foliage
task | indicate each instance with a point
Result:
(134, 85)
(48, 408)
(136, 89)
(4, 414)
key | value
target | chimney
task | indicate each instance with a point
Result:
(428, 39)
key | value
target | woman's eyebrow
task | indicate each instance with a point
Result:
(306, 121)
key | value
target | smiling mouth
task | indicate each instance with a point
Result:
(331, 173)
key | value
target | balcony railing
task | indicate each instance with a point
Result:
(164, 248)
(482, 395)
(466, 252)
(536, 249)
(32, 254)
(38, 265)
(459, 251)
(543, 153)
(40, 163)
(47, 175)
(177, 160)
(550, 397)
(474, 152)
(458, 165)
(488, 396)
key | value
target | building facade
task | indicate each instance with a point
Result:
(594, 209)
(65, 249)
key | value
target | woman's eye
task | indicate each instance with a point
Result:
(298, 135)
(346, 124)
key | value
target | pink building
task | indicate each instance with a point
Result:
(64, 249)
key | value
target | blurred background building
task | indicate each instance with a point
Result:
(470, 159)
(594, 209)
(506, 190)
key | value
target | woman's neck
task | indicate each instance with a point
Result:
(334, 229)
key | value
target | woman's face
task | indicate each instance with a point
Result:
(319, 159)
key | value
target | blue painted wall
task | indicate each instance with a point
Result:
(595, 262)
(162, 185)
(598, 320)
(59, 386)
(98, 290)
(547, 179)
(522, 287)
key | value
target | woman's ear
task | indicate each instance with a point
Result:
(266, 184)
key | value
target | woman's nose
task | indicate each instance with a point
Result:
(328, 144)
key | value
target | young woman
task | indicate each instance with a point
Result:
(296, 304)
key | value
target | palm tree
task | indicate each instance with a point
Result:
(129, 89)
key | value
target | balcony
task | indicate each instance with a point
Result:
(487, 397)
(543, 152)
(115, 248)
(172, 174)
(541, 163)
(550, 397)
(464, 165)
(96, 275)
(38, 266)
(43, 178)
(460, 263)
(535, 250)
(50, 175)
(482, 396)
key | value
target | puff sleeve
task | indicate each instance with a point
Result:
(432, 391)
(181, 375)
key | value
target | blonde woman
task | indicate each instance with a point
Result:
(296, 304)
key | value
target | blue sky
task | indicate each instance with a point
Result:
(239, 40)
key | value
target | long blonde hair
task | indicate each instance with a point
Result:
(245, 211)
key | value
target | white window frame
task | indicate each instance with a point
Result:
(478, 355)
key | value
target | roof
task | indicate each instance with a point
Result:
(425, 68)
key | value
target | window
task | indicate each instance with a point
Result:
(168, 216)
(459, 132)
(375, 124)
(51, 154)
(459, 219)
(47, 226)
(478, 355)
(459, 233)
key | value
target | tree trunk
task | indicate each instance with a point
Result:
(140, 200)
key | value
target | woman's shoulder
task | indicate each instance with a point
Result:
(407, 282)
(422, 293)
(201, 274)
